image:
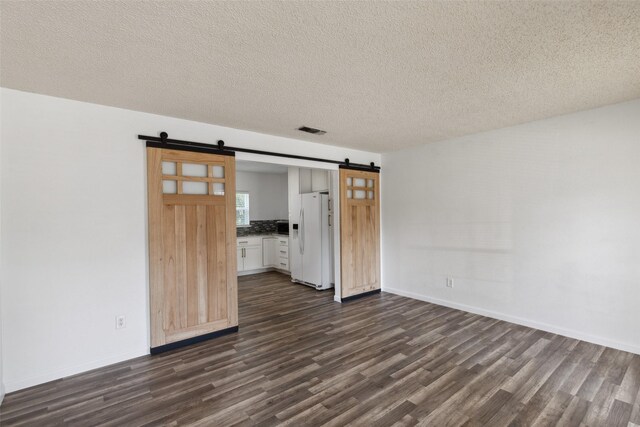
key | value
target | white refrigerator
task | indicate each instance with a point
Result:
(311, 243)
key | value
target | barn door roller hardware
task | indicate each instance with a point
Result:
(163, 141)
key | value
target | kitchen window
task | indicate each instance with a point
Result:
(242, 209)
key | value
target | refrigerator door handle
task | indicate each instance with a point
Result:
(300, 232)
(303, 227)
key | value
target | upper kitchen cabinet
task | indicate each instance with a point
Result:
(312, 180)
(319, 180)
(304, 180)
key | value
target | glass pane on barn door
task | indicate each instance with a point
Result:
(194, 169)
(169, 187)
(359, 194)
(169, 168)
(218, 188)
(358, 182)
(193, 187)
(218, 171)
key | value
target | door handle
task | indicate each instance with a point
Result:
(300, 231)
(303, 227)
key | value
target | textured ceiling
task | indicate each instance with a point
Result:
(375, 75)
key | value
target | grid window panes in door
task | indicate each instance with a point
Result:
(242, 209)
(202, 179)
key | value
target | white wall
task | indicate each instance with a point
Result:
(74, 242)
(267, 194)
(538, 224)
(1, 275)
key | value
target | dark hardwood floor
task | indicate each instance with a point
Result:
(301, 359)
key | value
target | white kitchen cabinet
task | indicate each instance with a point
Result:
(262, 252)
(312, 180)
(319, 180)
(305, 177)
(249, 241)
(249, 253)
(269, 255)
(282, 253)
(240, 259)
(253, 257)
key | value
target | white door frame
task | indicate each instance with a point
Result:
(334, 193)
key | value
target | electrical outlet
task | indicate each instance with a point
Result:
(449, 282)
(120, 322)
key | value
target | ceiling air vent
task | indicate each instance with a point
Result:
(312, 130)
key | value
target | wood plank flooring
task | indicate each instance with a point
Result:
(301, 359)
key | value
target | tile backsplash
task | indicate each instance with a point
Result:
(258, 227)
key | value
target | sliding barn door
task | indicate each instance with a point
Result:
(359, 231)
(192, 244)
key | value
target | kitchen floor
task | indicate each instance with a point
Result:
(302, 359)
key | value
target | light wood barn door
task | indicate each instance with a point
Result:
(359, 231)
(192, 244)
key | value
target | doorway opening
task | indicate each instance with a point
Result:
(287, 222)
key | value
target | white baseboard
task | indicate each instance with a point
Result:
(336, 298)
(520, 321)
(19, 384)
(1, 393)
(256, 271)
(263, 270)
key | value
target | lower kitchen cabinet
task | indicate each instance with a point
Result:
(252, 258)
(268, 251)
(249, 253)
(282, 253)
(263, 252)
